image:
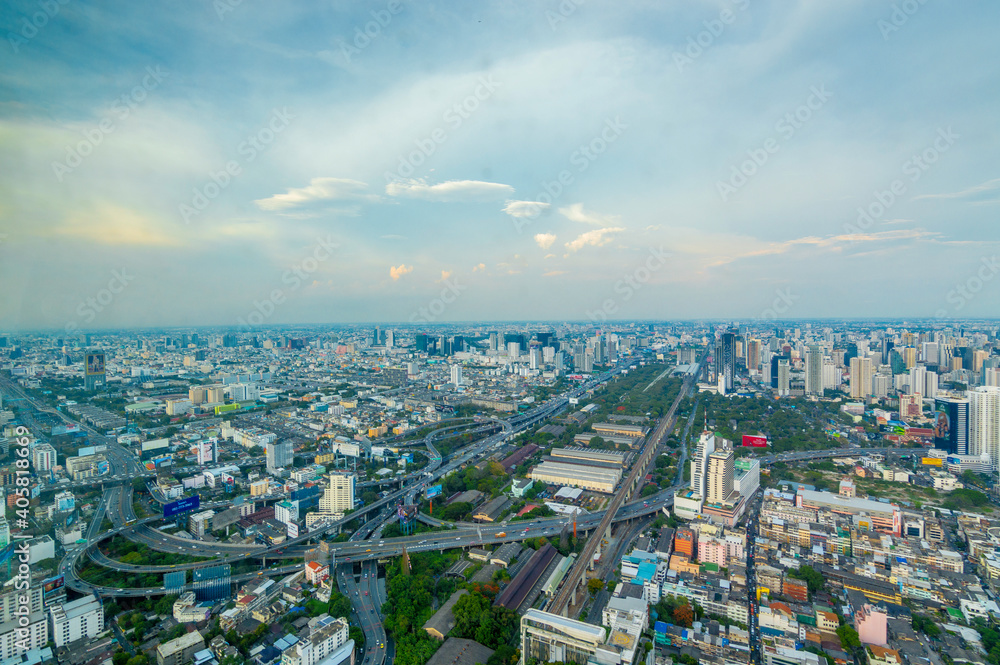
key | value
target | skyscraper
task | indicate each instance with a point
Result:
(951, 425)
(721, 467)
(814, 370)
(456, 375)
(784, 376)
(339, 494)
(861, 377)
(725, 361)
(984, 423)
(279, 455)
(699, 463)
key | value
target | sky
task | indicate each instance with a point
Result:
(251, 163)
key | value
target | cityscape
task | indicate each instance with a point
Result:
(524, 332)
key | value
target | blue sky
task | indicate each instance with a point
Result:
(417, 168)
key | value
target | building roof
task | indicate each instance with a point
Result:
(458, 651)
(441, 623)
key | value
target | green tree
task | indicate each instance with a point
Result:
(594, 585)
(848, 637)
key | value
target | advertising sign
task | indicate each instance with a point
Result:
(754, 441)
(181, 506)
(52, 585)
(95, 363)
(434, 491)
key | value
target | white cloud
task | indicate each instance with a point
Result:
(477, 268)
(576, 213)
(525, 208)
(398, 271)
(597, 237)
(452, 190)
(318, 190)
(988, 186)
(545, 240)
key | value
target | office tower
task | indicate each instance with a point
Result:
(918, 379)
(456, 375)
(753, 354)
(279, 455)
(421, 342)
(814, 370)
(390, 339)
(775, 359)
(930, 353)
(534, 356)
(984, 423)
(909, 356)
(784, 377)
(494, 342)
(725, 360)
(765, 369)
(377, 336)
(930, 384)
(514, 350)
(229, 340)
(557, 360)
(861, 377)
(339, 494)
(699, 463)
(951, 425)
(721, 467)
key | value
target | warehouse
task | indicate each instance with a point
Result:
(616, 429)
(579, 455)
(577, 475)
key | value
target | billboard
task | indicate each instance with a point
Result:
(181, 506)
(434, 491)
(53, 585)
(932, 461)
(155, 444)
(754, 441)
(292, 529)
(95, 363)
(175, 581)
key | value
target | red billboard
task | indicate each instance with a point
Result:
(754, 441)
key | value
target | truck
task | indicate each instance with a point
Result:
(502, 534)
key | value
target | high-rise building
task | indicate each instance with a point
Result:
(21, 633)
(784, 377)
(918, 379)
(43, 457)
(279, 455)
(753, 353)
(861, 377)
(421, 342)
(721, 468)
(951, 425)
(814, 370)
(76, 620)
(699, 463)
(984, 423)
(456, 375)
(930, 384)
(339, 494)
(726, 364)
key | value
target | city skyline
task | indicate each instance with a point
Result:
(210, 166)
